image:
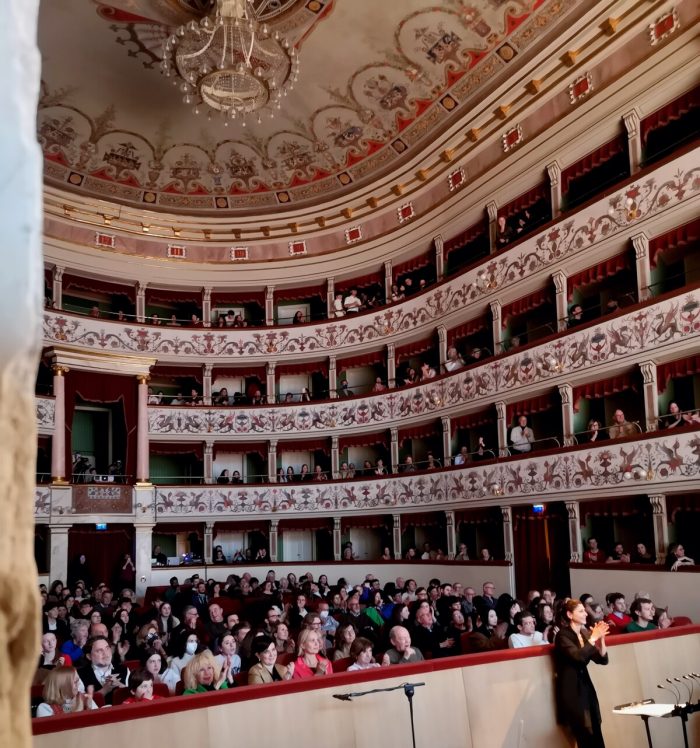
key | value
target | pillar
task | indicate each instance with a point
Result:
(269, 305)
(388, 280)
(446, 441)
(396, 536)
(272, 460)
(640, 242)
(451, 534)
(274, 535)
(439, 243)
(58, 440)
(141, 301)
(207, 370)
(58, 552)
(559, 279)
(208, 542)
(206, 306)
(497, 332)
(508, 545)
(660, 519)
(142, 444)
(391, 365)
(394, 449)
(442, 345)
(492, 213)
(575, 541)
(555, 197)
(57, 287)
(337, 539)
(142, 557)
(502, 429)
(21, 301)
(335, 457)
(332, 377)
(330, 298)
(270, 381)
(566, 391)
(651, 401)
(208, 462)
(634, 139)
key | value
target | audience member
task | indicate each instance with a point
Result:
(62, 694)
(401, 650)
(594, 555)
(527, 635)
(621, 427)
(676, 557)
(642, 612)
(521, 436)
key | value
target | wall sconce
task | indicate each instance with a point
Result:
(551, 363)
(497, 489)
(486, 282)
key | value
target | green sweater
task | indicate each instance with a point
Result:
(203, 689)
(634, 627)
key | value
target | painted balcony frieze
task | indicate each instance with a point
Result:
(45, 414)
(42, 501)
(647, 466)
(670, 324)
(672, 184)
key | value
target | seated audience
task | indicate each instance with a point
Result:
(621, 427)
(594, 555)
(527, 634)
(454, 360)
(675, 418)
(618, 556)
(522, 436)
(62, 694)
(676, 557)
(430, 637)
(74, 646)
(202, 674)
(401, 650)
(309, 661)
(642, 612)
(99, 672)
(617, 618)
(642, 556)
(141, 688)
(361, 655)
(594, 434)
(267, 669)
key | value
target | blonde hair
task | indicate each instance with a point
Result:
(189, 672)
(58, 688)
(304, 636)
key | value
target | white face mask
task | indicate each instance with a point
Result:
(191, 648)
(323, 614)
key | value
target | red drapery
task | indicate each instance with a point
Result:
(422, 519)
(673, 110)
(308, 445)
(300, 294)
(367, 521)
(74, 282)
(305, 523)
(467, 329)
(175, 527)
(307, 367)
(597, 273)
(408, 350)
(167, 296)
(233, 298)
(529, 407)
(244, 525)
(244, 370)
(415, 263)
(467, 236)
(103, 388)
(681, 503)
(683, 368)
(240, 447)
(103, 549)
(471, 420)
(478, 516)
(421, 431)
(362, 440)
(526, 304)
(622, 506)
(174, 373)
(681, 236)
(592, 160)
(366, 359)
(595, 389)
(364, 281)
(178, 448)
(532, 544)
(526, 200)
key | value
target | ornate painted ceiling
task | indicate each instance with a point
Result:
(376, 86)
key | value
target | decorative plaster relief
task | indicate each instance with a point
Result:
(45, 413)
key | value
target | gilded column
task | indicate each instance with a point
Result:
(660, 519)
(142, 443)
(575, 540)
(651, 401)
(58, 440)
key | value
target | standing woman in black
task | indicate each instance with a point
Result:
(574, 647)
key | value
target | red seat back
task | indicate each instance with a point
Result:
(120, 695)
(341, 665)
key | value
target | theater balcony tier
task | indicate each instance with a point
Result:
(655, 464)
(639, 211)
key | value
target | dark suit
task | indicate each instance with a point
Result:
(62, 632)
(88, 677)
(429, 640)
(577, 701)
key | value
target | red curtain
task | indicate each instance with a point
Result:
(532, 550)
(306, 523)
(368, 521)
(421, 431)
(681, 503)
(529, 407)
(307, 367)
(526, 200)
(233, 298)
(599, 272)
(175, 527)
(681, 236)
(362, 440)
(673, 110)
(471, 420)
(103, 388)
(300, 294)
(364, 281)
(103, 549)
(592, 160)
(244, 525)
(174, 373)
(468, 235)
(238, 447)
(526, 304)
(422, 519)
(366, 359)
(595, 389)
(244, 370)
(467, 329)
(622, 506)
(415, 263)
(189, 295)
(178, 448)
(481, 516)
(308, 445)
(71, 282)
(413, 349)
(683, 368)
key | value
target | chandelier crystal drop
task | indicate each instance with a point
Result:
(230, 63)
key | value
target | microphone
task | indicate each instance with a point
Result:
(342, 696)
(670, 682)
(687, 688)
(663, 688)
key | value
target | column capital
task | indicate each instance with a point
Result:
(270, 367)
(388, 267)
(396, 521)
(209, 526)
(141, 287)
(658, 503)
(554, 173)
(334, 442)
(206, 292)
(492, 210)
(439, 242)
(450, 517)
(640, 242)
(272, 445)
(631, 121)
(208, 369)
(143, 378)
(500, 409)
(495, 307)
(57, 273)
(391, 349)
(336, 523)
(445, 420)
(442, 333)
(59, 370)
(269, 293)
(566, 392)
(559, 278)
(208, 448)
(506, 514)
(332, 360)
(648, 369)
(61, 529)
(572, 509)
(394, 434)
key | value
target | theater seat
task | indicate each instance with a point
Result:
(161, 689)
(340, 666)
(680, 621)
(285, 658)
(132, 664)
(120, 695)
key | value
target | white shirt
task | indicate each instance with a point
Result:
(454, 365)
(45, 710)
(522, 438)
(518, 641)
(460, 459)
(338, 306)
(352, 303)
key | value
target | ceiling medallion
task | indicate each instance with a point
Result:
(229, 63)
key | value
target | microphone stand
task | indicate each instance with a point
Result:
(408, 689)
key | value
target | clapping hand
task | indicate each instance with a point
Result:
(599, 631)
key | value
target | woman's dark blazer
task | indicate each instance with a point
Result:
(574, 689)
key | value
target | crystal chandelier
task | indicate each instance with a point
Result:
(230, 63)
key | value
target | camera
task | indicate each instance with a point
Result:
(151, 637)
